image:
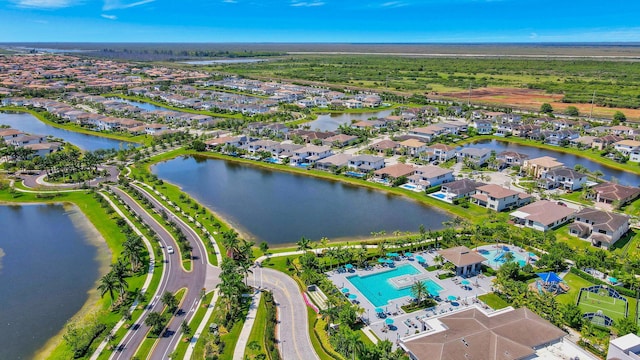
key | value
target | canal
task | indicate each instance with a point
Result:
(279, 207)
(47, 267)
(142, 105)
(30, 124)
(331, 122)
(570, 160)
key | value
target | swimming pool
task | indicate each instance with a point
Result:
(378, 289)
(439, 195)
(496, 258)
(408, 186)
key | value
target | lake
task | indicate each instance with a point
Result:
(223, 61)
(280, 207)
(143, 105)
(331, 122)
(30, 124)
(47, 266)
(570, 160)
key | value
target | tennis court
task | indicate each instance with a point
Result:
(592, 302)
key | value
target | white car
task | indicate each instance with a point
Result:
(170, 249)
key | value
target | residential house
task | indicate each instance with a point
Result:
(310, 154)
(340, 140)
(8, 134)
(23, 140)
(283, 151)
(626, 146)
(442, 152)
(563, 178)
(504, 129)
(395, 171)
(602, 142)
(538, 167)
(583, 142)
(634, 156)
(498, 198)
(152, 129)
(460, 189)
(333, 162)
(559, 138)
(610, 193)
(601, 228)
(429, 176)
(483, 127)
(527, 131)
(261, 145)
(475, 156)
(224, 141)
(621, 130)
(511, 158)
(384, 145)
(413, 147)
(43, 149)
(366, 163)
(428, 133)
(542, 215)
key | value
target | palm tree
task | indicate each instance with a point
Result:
(230, 242)
(508, 256)
(419, 290)
(597, 174)
(304, 244)
(131, 250)
(107, 284)
(438, 259)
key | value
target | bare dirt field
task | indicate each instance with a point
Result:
(532, 99)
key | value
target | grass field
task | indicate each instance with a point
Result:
(612, 307)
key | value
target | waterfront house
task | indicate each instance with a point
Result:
(282, 151)
(583, 141)
(511, 158)
(563, 178)
(395, 171)
(261, 145)
(610, 193)
(504, 129)
(429, 175)
(602, 142)
(542, 215)
(466, 262)
(366, 163)
(483, 127)
(460, 188)
(310, 154)
(334, 162)
(23, 140)
(626, 146)
(8, 134)
(476, 156)
(559, 138)
(538, 167)
(43, 149)
(634, 156)
(527, 131)
(224, 141)
(152, 129)
(498, 198)
(601, 228)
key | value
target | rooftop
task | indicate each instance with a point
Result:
(461, 256)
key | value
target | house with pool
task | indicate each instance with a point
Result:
(498, 198)
(542, 215)
(466, 261)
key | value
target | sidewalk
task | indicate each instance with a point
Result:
(241, 345)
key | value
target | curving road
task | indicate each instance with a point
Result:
(293, 322)
(175, 279)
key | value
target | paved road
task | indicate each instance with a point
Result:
(293, 329)
(176, 279)
(37, 179)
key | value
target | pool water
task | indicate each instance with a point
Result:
(496, 257)
(378, 290)
(438, 195)
(409, 186)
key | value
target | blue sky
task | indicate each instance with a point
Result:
(319, 20)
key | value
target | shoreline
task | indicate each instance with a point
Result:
(103, 257)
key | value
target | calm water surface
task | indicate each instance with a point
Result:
(570, 160)
(45, 273)
(331, 122)
(30, 124)
(143, 105)
(280, 207)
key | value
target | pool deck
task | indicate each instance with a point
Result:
(418, 321)
(516, 250)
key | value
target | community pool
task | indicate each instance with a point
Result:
(495, 257)
(378, 289)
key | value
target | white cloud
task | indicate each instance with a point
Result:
(394, 4)
(45, 4)
(110, 17)
(118, 4)
(230, 1)
(306, 4)
(533, 35)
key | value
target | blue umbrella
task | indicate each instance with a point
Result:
(420, 259)
(408, 254)
(348, 266)
(382, 261)
(345, 290)
(465, 282)
(452, 297)
(379, 310)
(352, 296)
(388, 321)
(389, 261)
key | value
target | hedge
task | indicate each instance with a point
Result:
(584, 275)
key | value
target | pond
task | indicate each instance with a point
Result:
(280, 207)
(47, 267)
(331, 122)
(30, 124)
(570, 160)
(223, 61)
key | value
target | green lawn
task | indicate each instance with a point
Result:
(562, 234)
(592, 302)
(575, 283)
(195, 322)
(493, 301)
(256, 343)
